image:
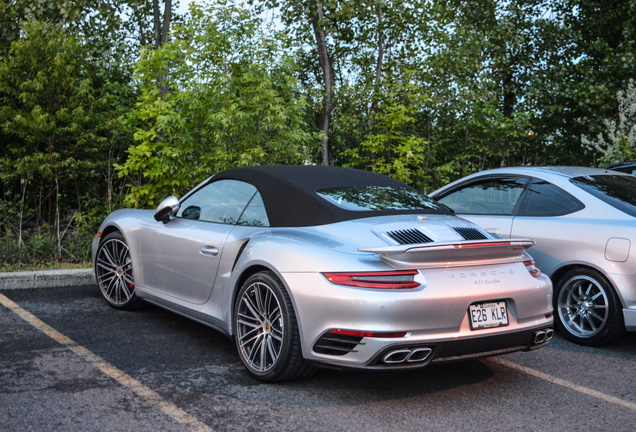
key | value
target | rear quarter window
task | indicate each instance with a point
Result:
(619, 191)
(496, 196)
(545, 199)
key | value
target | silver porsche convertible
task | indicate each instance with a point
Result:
(306, 266)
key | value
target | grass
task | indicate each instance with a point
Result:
(52, 265)
(40, 250)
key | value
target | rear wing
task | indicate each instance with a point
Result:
(454, 254)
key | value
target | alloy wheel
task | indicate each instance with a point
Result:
(260, 327)
(113, 270)
(583, 306)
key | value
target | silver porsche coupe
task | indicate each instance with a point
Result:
(306, 266)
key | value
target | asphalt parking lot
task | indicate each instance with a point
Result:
(68, 362)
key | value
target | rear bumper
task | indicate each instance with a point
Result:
(630, 319)
(433, 317)
(416, 355)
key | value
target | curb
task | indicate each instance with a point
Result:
(46, 279)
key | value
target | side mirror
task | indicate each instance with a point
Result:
(165, 209)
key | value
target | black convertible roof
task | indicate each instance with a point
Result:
(289, 192)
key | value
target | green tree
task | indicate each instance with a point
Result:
(617, 142)
(232, 100)
(59, 122)
(592, 58)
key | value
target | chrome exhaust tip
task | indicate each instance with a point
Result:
(419, 355)
(396, 356)
(539, 337)
(549, 334)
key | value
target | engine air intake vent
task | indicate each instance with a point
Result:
(409, 236)
(470, 233)
(337, 344)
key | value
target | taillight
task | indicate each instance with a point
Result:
(400, 279)
(532, 269)
(479, 245)
(368, 334)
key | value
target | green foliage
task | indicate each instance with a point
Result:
(390, 148)
(617, 142)
(59, 115)
(60, 129)
(591, 57)
(231, 100)
(92, 118)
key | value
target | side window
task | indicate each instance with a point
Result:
(488, 197)
(222, 201)
(255, 214)
(545, 199)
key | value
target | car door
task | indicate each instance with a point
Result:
(489, 202)
(181, 258)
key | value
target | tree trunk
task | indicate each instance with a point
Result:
(327, 71)
(378, 65)
(466, 124)
(157, 22)
(162, 33)
(162, 27)
(167, 18)
(509, 96)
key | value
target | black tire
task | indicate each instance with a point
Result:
(587, 310)
(114, 272)
(266, 330)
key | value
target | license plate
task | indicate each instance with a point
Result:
(488, 315)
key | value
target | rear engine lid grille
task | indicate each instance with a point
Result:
(409, 236)
(470, 233)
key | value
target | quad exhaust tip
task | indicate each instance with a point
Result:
(420, 354)
(407, 355)
(542, 336)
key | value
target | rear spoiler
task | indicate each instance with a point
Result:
(454, 254)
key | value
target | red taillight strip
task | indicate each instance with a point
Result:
(534, 271)
(369, 334)
(472, 245)
(399, 279)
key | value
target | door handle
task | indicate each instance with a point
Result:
(209, 251)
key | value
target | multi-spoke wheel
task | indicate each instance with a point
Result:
(114, 273)
(266, 332)
(587, 309)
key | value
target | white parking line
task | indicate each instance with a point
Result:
(564, 383)
(124, 379)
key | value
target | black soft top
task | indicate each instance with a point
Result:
(289, 192)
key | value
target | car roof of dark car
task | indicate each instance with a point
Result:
(290, 198)
(623, 166)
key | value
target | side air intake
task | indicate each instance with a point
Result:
(337, 344)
